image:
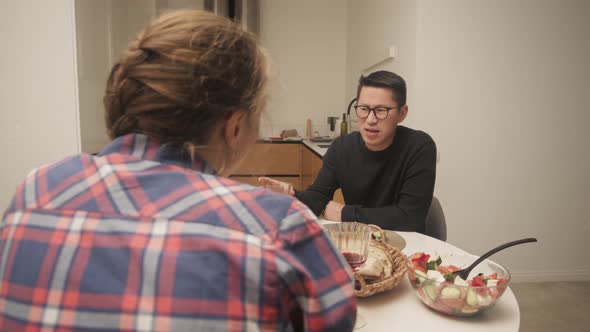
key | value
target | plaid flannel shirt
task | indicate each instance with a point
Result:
(137, 238)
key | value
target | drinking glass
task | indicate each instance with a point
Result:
(352, 240)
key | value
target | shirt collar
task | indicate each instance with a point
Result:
(144, 147)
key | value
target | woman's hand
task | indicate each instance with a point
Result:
(277, 186)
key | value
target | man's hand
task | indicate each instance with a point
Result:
(277, 186)
(333, 211)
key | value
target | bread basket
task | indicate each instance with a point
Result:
(394, 267)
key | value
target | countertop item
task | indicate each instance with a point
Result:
(322, 139)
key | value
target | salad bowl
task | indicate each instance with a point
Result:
(431, 276)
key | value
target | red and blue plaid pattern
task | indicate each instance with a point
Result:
(137, 238)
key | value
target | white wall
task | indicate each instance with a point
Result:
(104, 29)
(503, 88)
(94, 52)
(374, 26)
(180, 4)
(307, 42)
(38, 104)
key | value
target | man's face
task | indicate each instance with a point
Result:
(378, 134)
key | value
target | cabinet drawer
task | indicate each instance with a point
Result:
(278, 159)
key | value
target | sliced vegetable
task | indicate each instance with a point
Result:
(421, 257)
(450, 292)
(419, 267)
(450, 277)
(452, 297)
(420, 260)
(431, 266)
(377, 235)
(434, 263)
(478, 281)
(484, 300)
(472, 299)
(421, 276)
(431, 290)
(469, 311)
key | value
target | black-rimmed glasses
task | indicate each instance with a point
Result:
(381, 112)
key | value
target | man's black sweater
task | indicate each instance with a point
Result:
(391, 188)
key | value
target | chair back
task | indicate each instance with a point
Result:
(436, 225)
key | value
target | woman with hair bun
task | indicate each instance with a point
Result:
(149, 234)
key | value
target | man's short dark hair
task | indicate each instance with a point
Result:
(388, 80)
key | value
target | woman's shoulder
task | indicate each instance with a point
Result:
(45, 179)
(268, 212)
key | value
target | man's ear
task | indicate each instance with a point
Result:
(233, 129)
(403, 112)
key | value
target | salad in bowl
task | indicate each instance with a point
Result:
(431, 276)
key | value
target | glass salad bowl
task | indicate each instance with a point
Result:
(431, 277)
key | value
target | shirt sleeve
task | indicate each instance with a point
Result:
(316, 276)
(321, 192)
(409, 212)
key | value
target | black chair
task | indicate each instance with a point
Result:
(436, 225)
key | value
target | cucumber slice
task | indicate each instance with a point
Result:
(484, 300)
(421, 276)
(377, 235)
(469, 311)
(431, 290)
(450, 292)
(472, 299)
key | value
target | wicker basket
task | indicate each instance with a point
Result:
(397, 264)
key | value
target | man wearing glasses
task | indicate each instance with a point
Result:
(386, 171)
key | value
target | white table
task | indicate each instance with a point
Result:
(401, 310)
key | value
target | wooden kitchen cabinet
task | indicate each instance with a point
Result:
(293, 163)
(281, 161)
(272, 159)
(310, 166)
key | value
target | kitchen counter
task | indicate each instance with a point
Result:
(318, 148)
(278, 141)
